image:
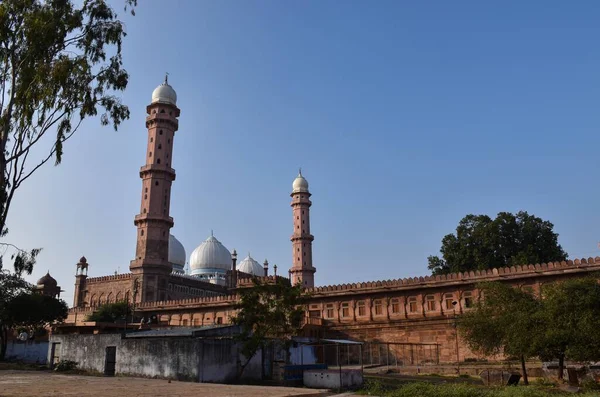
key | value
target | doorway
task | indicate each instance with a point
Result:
(110, 361)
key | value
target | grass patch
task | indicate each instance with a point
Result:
(421, 389)
(20, 366)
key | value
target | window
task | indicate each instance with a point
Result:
(448, 299)
(345, 309)
(156, 183)
(145, 197)
(468, 299)
(151, 139)
(378, 307)
(412, 304)
(185, 322)
(149, 154)
(431, 306)
(395, 305)
(362, 310)
(159, 146)
(160, 132)
(169, 140)
(142, 232)
(329, 308)
(157, 161)
(196, 321)
(219, 320)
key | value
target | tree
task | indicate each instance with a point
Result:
(482, 243)
(502, 322)
(35, 311)
(110, 312)
(571, 312)
(59, 64)
(267, 310)
(11, 286)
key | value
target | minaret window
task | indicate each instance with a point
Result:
(157, 161)
(156, 183)
(159, 132)
(142, 232)
(159, 146)
(151, 139)
(150, 154)
(145, 197)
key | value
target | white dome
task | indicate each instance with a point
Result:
(164, 93)
(300, 184)
(209, 256)
(250, 266)
(176, 254)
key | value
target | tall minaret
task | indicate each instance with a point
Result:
(302, 270)
(151, 267)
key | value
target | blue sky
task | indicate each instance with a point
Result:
(404, 116)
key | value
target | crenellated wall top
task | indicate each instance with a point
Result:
(211, 300)
(472, 276)
(123, 276)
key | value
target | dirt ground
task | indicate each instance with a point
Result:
(41, 383)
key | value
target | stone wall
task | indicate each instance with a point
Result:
(182, 358)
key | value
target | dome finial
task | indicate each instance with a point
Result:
(300, 171)
(166, 77)
(211, 233)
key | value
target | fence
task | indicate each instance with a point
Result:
(400, 354)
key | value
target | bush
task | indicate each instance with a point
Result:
(66, 365)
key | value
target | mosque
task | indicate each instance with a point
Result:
(418, 310)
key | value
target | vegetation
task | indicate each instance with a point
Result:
(374, 388)
(564, 319)
(20, 307)
(482, 243)
(267, 311)
(65, 366)
(502, 322)
(60, 63)
(110, 312)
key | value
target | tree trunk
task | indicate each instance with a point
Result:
(524, 368)
(561, 367)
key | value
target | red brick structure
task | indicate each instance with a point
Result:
(412, 310)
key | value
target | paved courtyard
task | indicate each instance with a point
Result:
(34, 383)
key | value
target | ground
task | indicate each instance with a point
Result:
(42, 383)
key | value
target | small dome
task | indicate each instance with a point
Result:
(176, 254)
(164, 93)
(250, 266)
(300, 184)
(211, 254)
(47, 280)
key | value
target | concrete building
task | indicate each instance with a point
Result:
(413, 310)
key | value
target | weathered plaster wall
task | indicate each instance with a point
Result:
(183, 358)
(29, 352)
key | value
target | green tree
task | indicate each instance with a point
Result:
(11, 286)
(110, 312)
(266, 311)
(60, 63)
(34, 311)
(482, 243)
(502, 322)
(571, 312)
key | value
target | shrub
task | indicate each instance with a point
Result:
(66, 365)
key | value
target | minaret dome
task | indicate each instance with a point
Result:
(164, 93)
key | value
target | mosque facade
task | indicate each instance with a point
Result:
(412, 310)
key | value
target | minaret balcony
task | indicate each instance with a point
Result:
(153, 218)
(300, 236)
(156, 169)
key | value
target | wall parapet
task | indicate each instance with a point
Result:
(114, 277)
(187, 302)
(471, 276)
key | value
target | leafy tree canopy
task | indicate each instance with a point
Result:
(60, 63)
(482, 243)
(110, 312)
(502, 322)
(267, 311)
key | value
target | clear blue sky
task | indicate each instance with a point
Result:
(405, 116)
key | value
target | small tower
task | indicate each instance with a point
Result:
(80, 282)
(153, 222)
(302, 270)
(233, 275)
(266, 267)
